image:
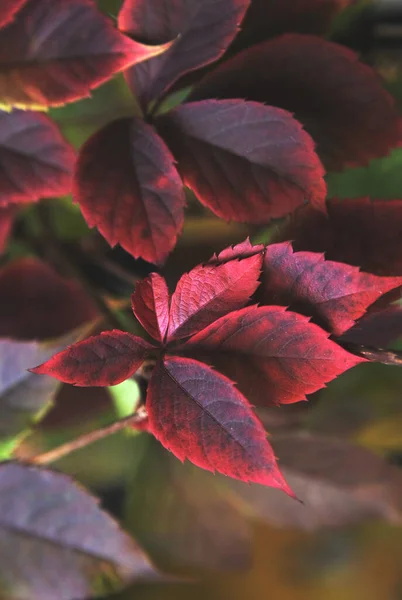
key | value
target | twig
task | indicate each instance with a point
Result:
(88, 438)
(386, 357)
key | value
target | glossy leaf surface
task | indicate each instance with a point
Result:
(128, 187)
(243, 160)
(205, 419)
(201, 30)
(274, 355)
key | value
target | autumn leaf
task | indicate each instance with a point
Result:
(243, 160)
(340, 101)
(56, 52)
(205, 419)
(128, 187)
(35, 160)
(101, 360)
(201, 30)
(274, 355)
(208, 292)
(8, 10)
(333, 293)
(352, 232)
(38, 303)
(150, 303)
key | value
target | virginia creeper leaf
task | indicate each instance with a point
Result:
(198, 414)
(38, 303)
(364, 233)
(53, 531)
(244, 161)
(195, 525)
(35, 160)
(241, 250)
(334, 293)
(339, 483)
(150, 302)
(202, 30)
(339, 100)
(128, 187)
(56, 52)
(8, 10)
(208, 292)
(275, 356)
(105, 359)
(377, 329)
(267, 19)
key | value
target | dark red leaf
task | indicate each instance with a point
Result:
(340, 101)
(360, 232)
(56, 52)
(105, 359)
(377, 329)
(37, 303)
(150, 302)
(203, 30)
(198, 414)
(7, 215)
(334, 293)
(267, 18)
(275, 356)
(242, 250)
(244, 161)
(128, 187)
(208, 292)
(35, 160)
(8, 10)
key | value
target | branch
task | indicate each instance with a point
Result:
(138, 418)
(386, 357)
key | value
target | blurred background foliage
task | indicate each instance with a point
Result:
(127, 470)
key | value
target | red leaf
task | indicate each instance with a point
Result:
(128, 187)
(35, 160)
(150, 302)
(37, 303)
(198, 414)
(340, 101)
(376, 329)
(208, 292)
(8, 10)
(275, 356)
(334, 293)
(359, 232)
(203, 30)
(105, 359)
(244, 161)
(242, 250)
(56, 52)
(265, 19)
(6, 223)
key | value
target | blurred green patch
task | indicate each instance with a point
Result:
(382, 179)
